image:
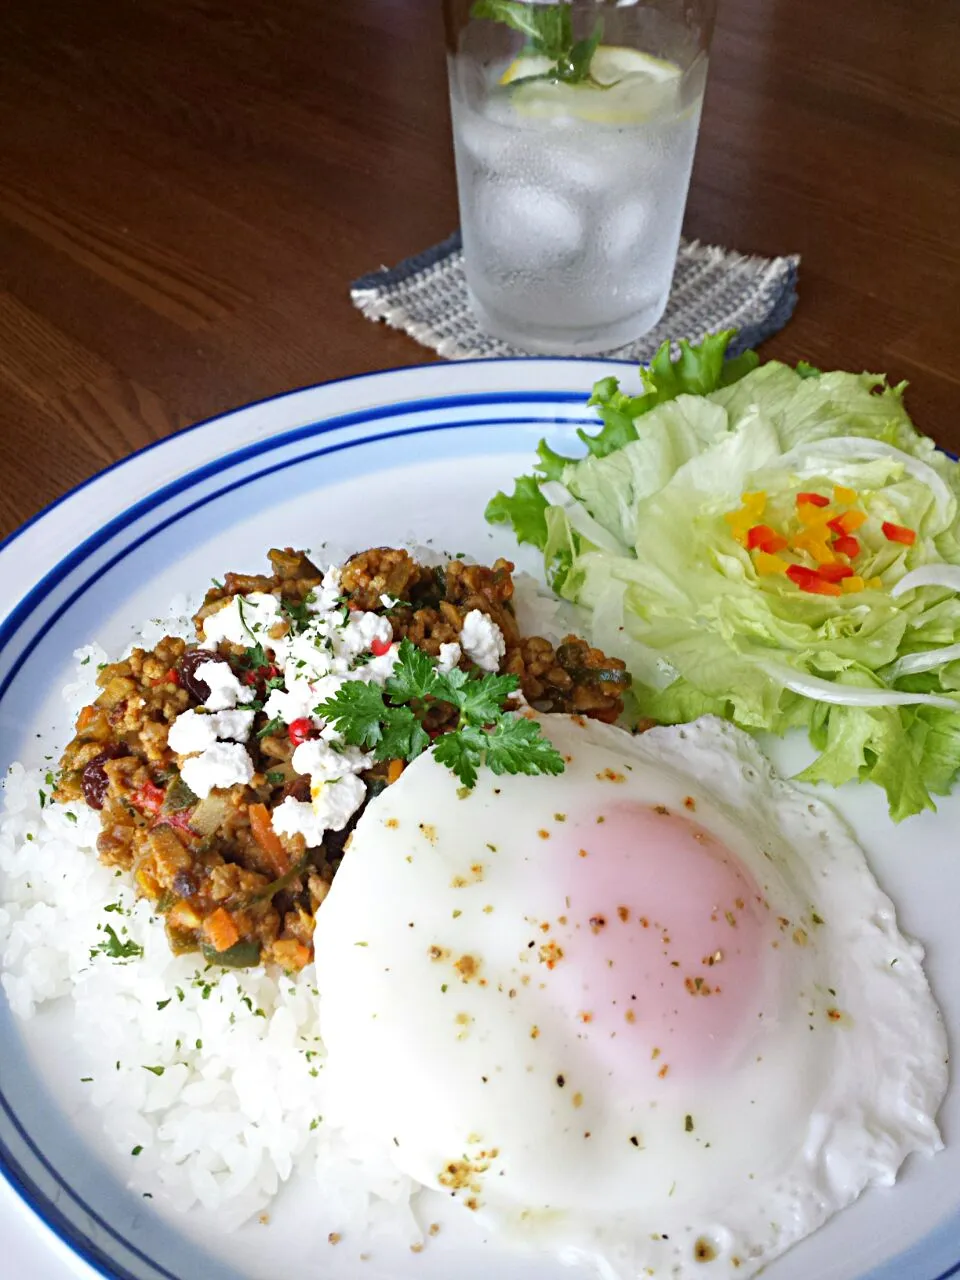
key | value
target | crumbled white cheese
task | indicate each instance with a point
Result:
(482, 640)
(296, 702)
(317, 758)
(327, 595)
(388, 601)
(221, 765)
(191, 732)
(336, 802)
(449, 656)
(225, 689)
(297, 817)
(235, 725)
(241, 619)
(361, 631)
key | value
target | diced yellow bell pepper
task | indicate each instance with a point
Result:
(766, 564)
(852, 585)
(747, 516)
(874, 584)
(814, 517)
(842, 494)
(814, 542)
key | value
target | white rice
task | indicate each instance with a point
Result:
(210, 1083)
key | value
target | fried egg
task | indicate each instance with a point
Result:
(654, 1013)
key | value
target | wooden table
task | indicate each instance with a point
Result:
(187, 187)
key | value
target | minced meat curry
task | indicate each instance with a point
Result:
(224, 880)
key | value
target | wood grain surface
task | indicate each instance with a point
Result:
(187, 187)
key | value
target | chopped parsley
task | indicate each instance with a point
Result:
(388, 721)
(114, 948)
(272, 726)
(275, 776)
(297, 614)
(157, 1071)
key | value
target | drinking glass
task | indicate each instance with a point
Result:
(574, 128)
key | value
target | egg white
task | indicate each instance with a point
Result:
(452, 1038)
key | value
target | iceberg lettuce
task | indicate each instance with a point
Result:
(638, 533)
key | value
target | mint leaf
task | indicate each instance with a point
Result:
(539, 24)
(517, 745)
(549, 32)
(575, 66)
(524, 509)
(357, 712)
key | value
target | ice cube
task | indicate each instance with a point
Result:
(622, 230)
(527, 228)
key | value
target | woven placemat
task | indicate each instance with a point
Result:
(713, 288)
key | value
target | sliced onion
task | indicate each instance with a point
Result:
(916, 662)
(850, 447)
(845, 695)
(580, 519)
(929, 575)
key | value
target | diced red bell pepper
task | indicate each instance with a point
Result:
(148, 797)
(171, 677)
(180, 821)
(762, 538)
(379, 647)
(815, 499)
(300, 730)
(898, 533)
(810, 580)
(847, 546)
(834, 572)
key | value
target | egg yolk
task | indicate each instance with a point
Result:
(661, 952)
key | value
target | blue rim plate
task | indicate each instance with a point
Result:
(389, 457)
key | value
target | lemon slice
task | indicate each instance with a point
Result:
(639, 87)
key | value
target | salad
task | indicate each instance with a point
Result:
(777, 546)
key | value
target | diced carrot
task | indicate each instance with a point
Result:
(291, 954)
(849, 522)
(767, 564)
(394, 770)
(220, 931)
(835, 572)
(853, 584)
(267, 838)
(842, 494)
(847, 546)
(810, 580)
(815, 499)
(898, 533)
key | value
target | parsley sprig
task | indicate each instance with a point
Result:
(388, 721)
(549, 32)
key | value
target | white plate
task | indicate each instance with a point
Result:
(411, 455)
